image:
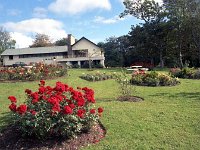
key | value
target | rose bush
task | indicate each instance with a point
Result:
(55, 111)
(153, 79)
(187, 73)
(38, 72)
(98, 76)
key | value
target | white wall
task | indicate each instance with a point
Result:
(93, 50)
(16, 58)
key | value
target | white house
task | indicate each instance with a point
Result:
(77, 52)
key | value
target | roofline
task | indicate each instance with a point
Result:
(85, 39)
(32, 53)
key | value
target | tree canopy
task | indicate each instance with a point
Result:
(5, 40)
(168, 36)
(41, 40)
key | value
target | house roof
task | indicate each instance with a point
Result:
(86, 40)
(35, 50)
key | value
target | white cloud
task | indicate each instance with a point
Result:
(115, 19)
(39, 12)
(30, 27)
(21, 39)
(78, 6)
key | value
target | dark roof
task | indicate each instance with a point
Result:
(35, 50)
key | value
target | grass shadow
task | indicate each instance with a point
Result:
(188, 95)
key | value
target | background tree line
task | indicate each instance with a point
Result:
(169, 36)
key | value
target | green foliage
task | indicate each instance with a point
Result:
(98, 76)
(62, 42)
(55, 111)
(188, 73)
(153, 78)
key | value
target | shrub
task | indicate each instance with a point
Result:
(98, 76)
(55, 111)
(38, 72)
(153, 79)
(188, 73)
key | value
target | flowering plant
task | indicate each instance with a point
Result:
(38, 72)
(58, 111)
(98, 76)
(186, 72)
(153, 79)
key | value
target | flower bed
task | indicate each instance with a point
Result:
(187, 73)
(38, 72)
(97, 76)
(55, 111)
(153, 79)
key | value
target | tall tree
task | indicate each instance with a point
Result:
(113, 55)
(153, 15)
(5, 40)
(41, 40)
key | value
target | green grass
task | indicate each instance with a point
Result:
(169, 118)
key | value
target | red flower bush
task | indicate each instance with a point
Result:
(59, 110)
(37, 72)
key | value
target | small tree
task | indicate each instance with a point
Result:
(5, 40)
(41, 40)
(125, 87)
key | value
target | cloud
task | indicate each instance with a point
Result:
(22, 40)
(39, 12)
(13, 12)
(115, 19)
(78, 6)
(30, 27)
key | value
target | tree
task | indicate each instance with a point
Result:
(62, 42)
(153, 15)
(146, 10)
(41, 40)
(5, 40)
(113, 54)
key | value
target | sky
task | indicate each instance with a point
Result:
(93, 19)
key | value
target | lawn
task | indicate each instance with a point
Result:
(169, 118)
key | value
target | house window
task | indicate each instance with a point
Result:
(11, 57)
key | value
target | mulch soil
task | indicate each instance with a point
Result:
(130, 99)
(11, 139)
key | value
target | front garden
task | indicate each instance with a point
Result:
(38, 72)
(168, 118)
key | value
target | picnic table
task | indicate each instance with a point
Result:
(136, 68)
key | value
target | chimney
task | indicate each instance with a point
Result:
(71, 40)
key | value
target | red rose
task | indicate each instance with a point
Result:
(33, 112)
(67, 110)
(13, 107)
(92, 111)
(42, 83)
(12, 99)
(72, 106)
(81, 113)
(100, 110)
(22, 109)
(28, 91)
(56, 108)
(42, 89)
